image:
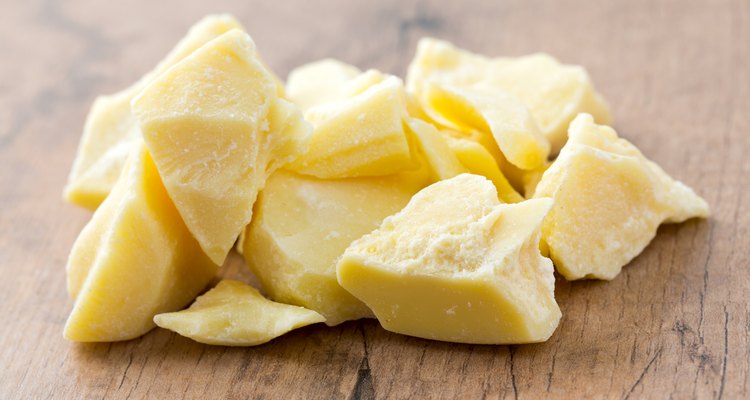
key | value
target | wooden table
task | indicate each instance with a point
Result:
(674, 323)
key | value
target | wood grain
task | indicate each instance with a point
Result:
(674, 324)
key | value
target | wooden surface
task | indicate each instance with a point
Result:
(674, 324)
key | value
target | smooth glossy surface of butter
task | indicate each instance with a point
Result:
(434, 150)
(553, 92)
(531, 179)
(362, 135)
(478, 160)
(490, 110)
(303, 224)
(111, 131)
(216, 129)
(235, 314)
(608, 202)
(456, 265)
(133, 260)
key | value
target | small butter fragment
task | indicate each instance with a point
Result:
(530, 179)
(493, 111)
(359, 136)
(478, 160)
(553, 92)
(456, 265)
(608, 202)
(318, 82)
(235, 314)
(216, 129)
(440, 61)
(111, 131)
(133, 260)
(441, 161)
(302, 225)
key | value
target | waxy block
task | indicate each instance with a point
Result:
(216, 129)
(460, 268)
(235, 314)
(359, 136)
(303, 224)
(133, 260)
(494, 111)
(554, 93)
(111, 131)
(319, 82)
(608, 202)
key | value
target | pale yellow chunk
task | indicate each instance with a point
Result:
(359, 136)
(608, 202)
(133, 260)
(456, 265)
(302, 225)
(111, 131)
(216, 129)
(478, 160)
(553, 92)
(441, 161)
(318, 82)
(531, 179)
(235, 314)
(494, 111)
(440, 61)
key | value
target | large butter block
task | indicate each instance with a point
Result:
(216, 129)
(303, 224)
(362, 135)
(111, 131)
(553, 92)
(490, 110)
(133, 260)
(608, 202)
(235, 314)
(457, 265)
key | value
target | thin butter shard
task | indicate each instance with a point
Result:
(456, 265)
(478, 160)
(236, 314)
(216, 129)
(133, 260)
(492, 111)
(609, 201)
(441, 162)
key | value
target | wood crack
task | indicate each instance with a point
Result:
(726, 354)
(363, 388)
(512, 350)
(643, 373)
(125, 373)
